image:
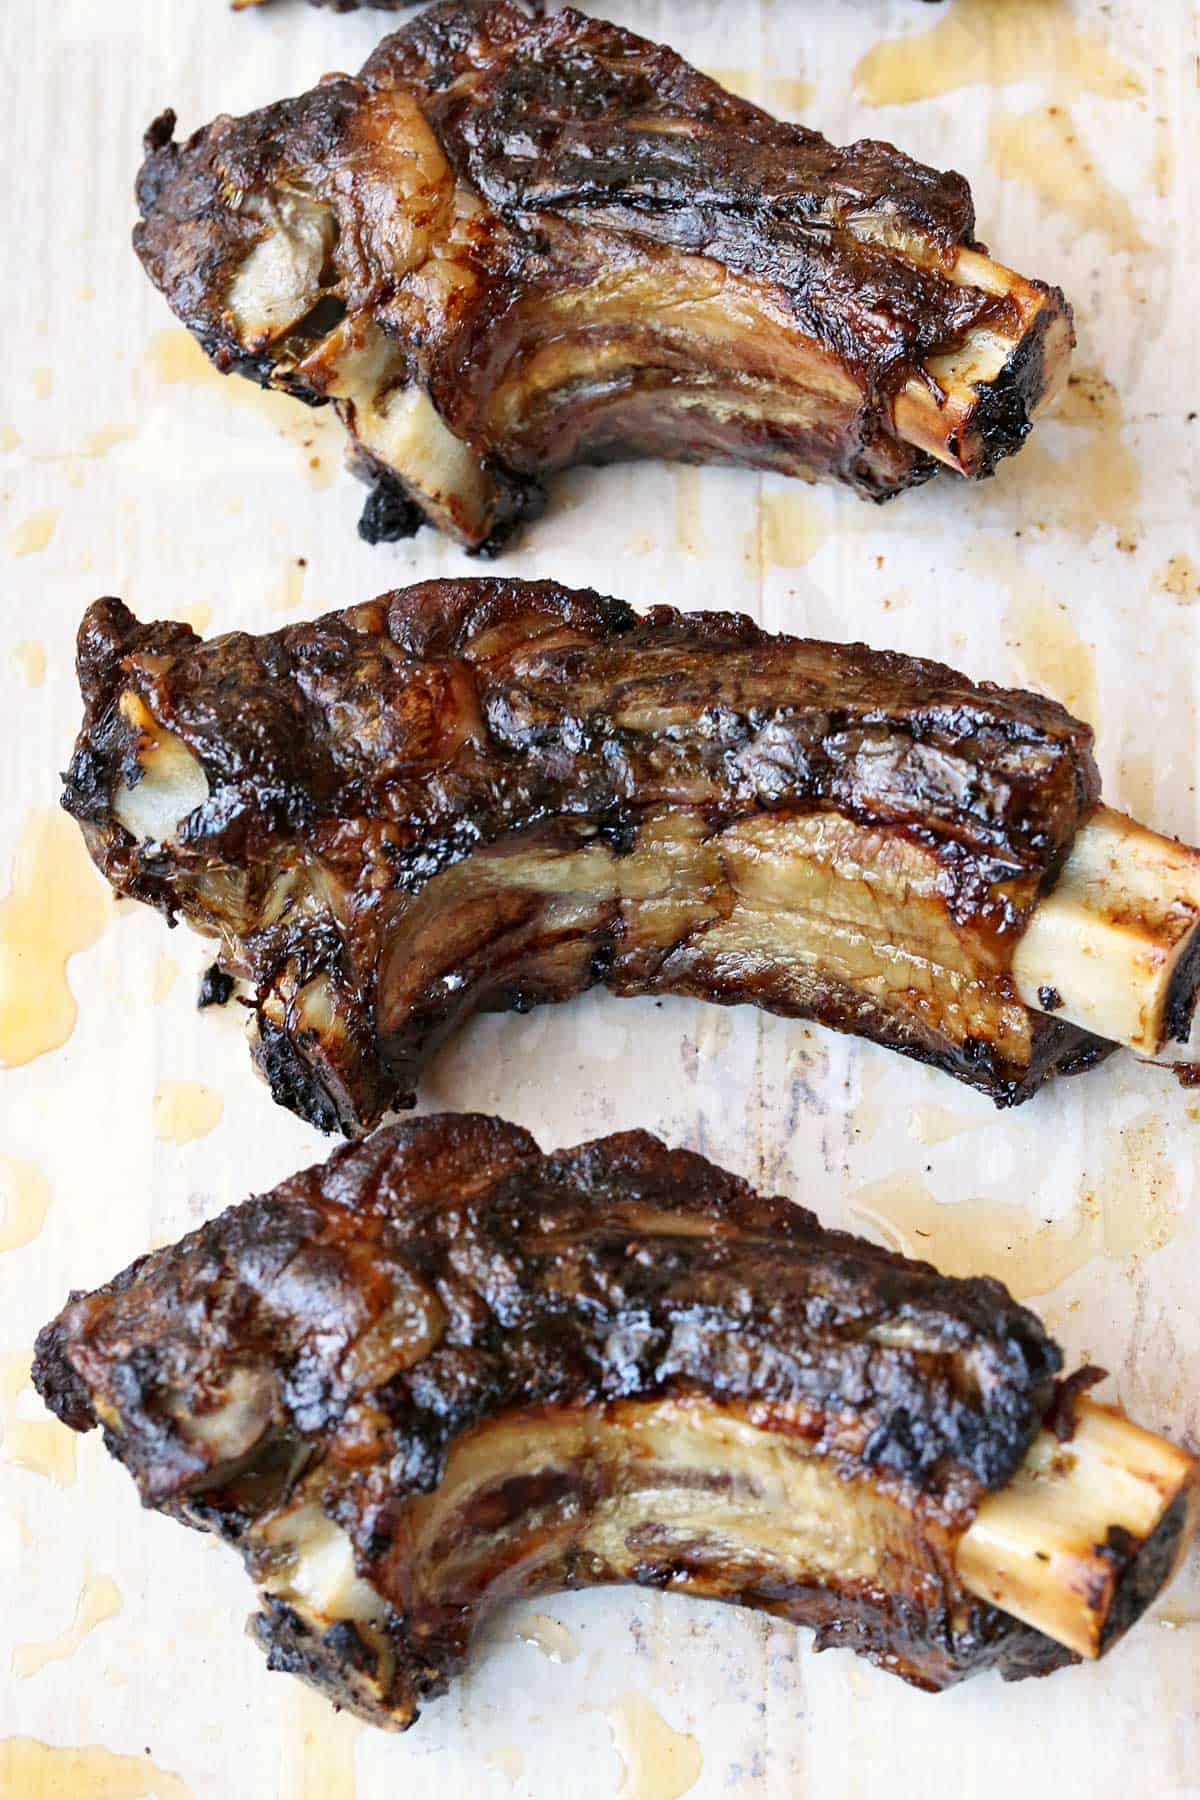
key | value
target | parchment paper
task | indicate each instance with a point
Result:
(126, 467)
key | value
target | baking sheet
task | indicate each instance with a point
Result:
(126, 466)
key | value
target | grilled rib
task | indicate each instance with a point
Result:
(485, 795)
(444, 1370)
(515, 244)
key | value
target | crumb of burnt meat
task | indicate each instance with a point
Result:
(216, 987)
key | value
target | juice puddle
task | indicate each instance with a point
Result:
(57, 906)
(1043, 149)
(1056, 658)
(30, 1770)
(26, 1195)
(979, 1237)
(993, 42)
(318, 1749)
(29, 660)
(41, 1445)
(791, 530)
(34, 533)
(99, 1599)
(185, 1111)
(554, 1641)
(1131, 1213)
(509, 1761)
(659, 1763)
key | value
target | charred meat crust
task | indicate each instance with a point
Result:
(492, 794)
(561, 243)
(351, 1337)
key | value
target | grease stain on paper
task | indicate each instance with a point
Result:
(1131, 1214)
(290, 591)
(978, 1237)
(1094, 481)
(319, 1749)
(197, 614)
(166, 974)
(57, 906)
(993, 42)
(29, 660)
(556, 1643)
(185, 1111)
(1056, 658)
(691, 539)
(31, 1770)
(174, 358)
(659, 1763)
(99, 1599)
(1043, 149)
(938, 1124)
(98, 443)
(778, 93)
(791, 530)
(43, 382)
(33, 534)
(1137, 1194)
(509, 1761)
(1180, 578)
(43, 1446)
(26, 1195)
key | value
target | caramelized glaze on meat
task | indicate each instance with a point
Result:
(514, 244)
(487, 794)
(444, 1370)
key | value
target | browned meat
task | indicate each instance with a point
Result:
(487, 794)
(340, 6)
(513, 244)
(444, 1370)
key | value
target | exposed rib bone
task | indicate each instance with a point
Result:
(1086, 1531)
(1115, 947)
(953, 420)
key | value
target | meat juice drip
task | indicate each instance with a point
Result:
(40, 1444)
(993, 42)
(979, 1237)
(1137, 1193)
(509, 1761)
(938, 1124)
(318, 1749)
(30, 1770)
(33, 534)
(29, 660)
(1130, 1214)
(185, 1111)
(556, 1643)
(791, 530)
(1180, 578)
(1055, 657)
(659, 1763)
(1044, 149)
(691, 539)
(166, 974)
(57, 906)
(26, 1196)
(99, 1599)
(174, 358)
